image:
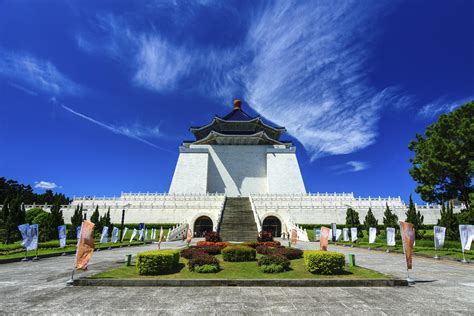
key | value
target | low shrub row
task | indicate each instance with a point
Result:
(203, 259)
(239, 254)
(255, 244)
(157, 262)
(324, 262)
(273, 264)
(213, 244)
(289, 253)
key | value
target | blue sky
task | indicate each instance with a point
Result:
(96, 96)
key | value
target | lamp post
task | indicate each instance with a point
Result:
(123, 220)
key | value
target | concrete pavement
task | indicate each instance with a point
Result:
(39, 287)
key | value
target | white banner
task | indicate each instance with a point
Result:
(115, 232)
(353, 234)
(124, 233)
(345, 232)
(338, 234)
(134, 233)
(24, 231)
(372, 234)
(103, 237)
(62, 236)
(146, 234)
(466, 233)
(439, 234)
(33, 236)
(140, 236)
(390, 236)
(78, 233)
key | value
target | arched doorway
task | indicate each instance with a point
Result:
(202, 225)
(272, 224)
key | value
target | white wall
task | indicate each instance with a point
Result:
(190, 174)
(283, 172)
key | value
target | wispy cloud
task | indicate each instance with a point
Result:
(36, 74)
(303, 65)
(136, 132)
(440, 106)
(351, 166)
(46, 185)
(23, 89)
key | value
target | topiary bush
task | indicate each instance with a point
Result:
(210, 250)
(265, 236)
(239, 254)
(255, 244)
(289, 253)
(157, 262)
(212, 237)
(324, 262)
(274, 259)
(207, 268)
(189, 253)
(272, 268)
(201, 259)
(264, 250)
(212, 244)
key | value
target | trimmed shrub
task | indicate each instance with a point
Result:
(324, 262)
(157, 262)
(201, 259)
(289, 253)
(189, 253)
(265, 236)
(207, 268)
(212, 237)
(264, 250)
(239, 253)
(272, 268)
(255, 244)
(274, 259)
(210, 250)
(212, 244)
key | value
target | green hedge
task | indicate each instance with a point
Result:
(324, 262)
(239, 254)
(157, 262)
(279, 260)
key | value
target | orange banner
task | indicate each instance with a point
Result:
(323, 240)
(161, 237)
(294, 236)
(408, 238)
(86, 245)
(190, 236)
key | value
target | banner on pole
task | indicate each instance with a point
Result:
(161, 237)
(62, 236)
(115, 232)
(408, 239)
(333, 231)
(140, 235)
(134, 233)
(33, 235)
(345, 232)
(372, 234)
(78, 233)
(466, 233)
(317, 234)
(86, 247)
(338, 234)
(24, 231)
(353, 234)
(294, 236)
(189, 237)
(323, 243)
(124, 233)
(439, 234)
(390, 236)
(146, 234)
(103, 236)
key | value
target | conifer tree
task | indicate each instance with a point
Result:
(55, 219)
(76, 220)
(352, 220)
(415, 218)
(95, 218)
(370, 220)
(16, 216)
(449, 220)
(389, 219)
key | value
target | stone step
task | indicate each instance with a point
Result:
(238, 223)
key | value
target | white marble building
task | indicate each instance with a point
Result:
(241, 156)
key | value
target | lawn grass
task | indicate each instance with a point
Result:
(241, 270)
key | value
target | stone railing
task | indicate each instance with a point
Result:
(178, 232)
(255, 215)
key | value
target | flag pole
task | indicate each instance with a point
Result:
(71, 280)
(463, 256)
(36, 254)
(26, 254)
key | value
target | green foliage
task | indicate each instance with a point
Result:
(370, 220)
(43, 219)
(201, 259)
(443, 165)
(324, 262)
(466, 216)
(274, 260)
(56, 219)
(157, 262)
(13, 215)
(272, 268)
(390, 219)
(96, 220)
(207, 268)
(76, 220)
(352, 220)
(11, 189)
(32, 213)
(239, 253)
(415, 218)
(449, 220)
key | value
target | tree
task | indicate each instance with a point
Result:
(56, 219)
(16, 216)
(32, 213)
(389, 219)
(76, 220)
(95, 218)
(415, 218)
(443, 165)
(449, 220)
(43, 220)
(352, 220)
(370, 220)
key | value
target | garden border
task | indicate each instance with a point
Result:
(240, 282)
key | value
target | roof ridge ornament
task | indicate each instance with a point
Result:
(237, 104)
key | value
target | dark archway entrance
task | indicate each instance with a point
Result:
(272, 224)
(202, 225)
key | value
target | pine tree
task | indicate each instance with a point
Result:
(97, 220)
(107, 220)
(352, 220)
(76, 220)
(16, 216)
(370, 220)
(415, 218)
(56, 219)
(449, 220)
(389, 219)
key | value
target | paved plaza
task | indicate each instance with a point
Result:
(40, 287)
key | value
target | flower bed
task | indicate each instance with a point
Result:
(239, 253)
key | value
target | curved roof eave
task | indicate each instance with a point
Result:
(258, 134)
(257, 119)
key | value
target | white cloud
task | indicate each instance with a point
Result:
(35, 73)
(357, 165)
(441, 106)
(136, 132)
(45, 185)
